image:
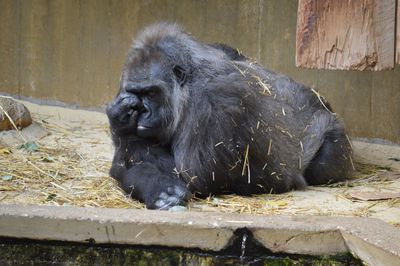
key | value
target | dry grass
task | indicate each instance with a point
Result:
(62, 176)
(59, 176)
(257, 204)
(57, 173)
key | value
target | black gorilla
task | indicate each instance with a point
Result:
(194, 118)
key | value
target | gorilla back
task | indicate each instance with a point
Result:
(189, 118)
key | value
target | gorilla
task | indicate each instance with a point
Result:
(198, 119)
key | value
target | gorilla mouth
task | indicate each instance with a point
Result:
(134, 115)
(145, 132)
(140, 127)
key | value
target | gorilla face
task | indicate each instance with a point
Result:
(143, 104)
(147, 100)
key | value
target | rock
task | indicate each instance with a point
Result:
(18, 112)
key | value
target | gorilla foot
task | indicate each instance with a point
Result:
(169, 196)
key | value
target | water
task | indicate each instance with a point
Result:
(243, 247)
(20, 252)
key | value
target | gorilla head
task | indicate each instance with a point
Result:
(195, 118)
(146, 91)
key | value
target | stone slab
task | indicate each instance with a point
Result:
(370, 253)
(370, 239)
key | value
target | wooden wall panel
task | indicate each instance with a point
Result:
(398, 34)
(385, 105)
(9, 46)
(36, 49)
(72, 51)
(355, 35)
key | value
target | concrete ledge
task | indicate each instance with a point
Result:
(302, 242)
(373, 254)
(372, 240)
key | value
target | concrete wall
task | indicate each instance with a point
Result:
(72, 51)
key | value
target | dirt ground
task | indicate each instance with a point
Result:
(69, 167)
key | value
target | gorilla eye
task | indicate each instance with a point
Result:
(152, 93)
(180, 74)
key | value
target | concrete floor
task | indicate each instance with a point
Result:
(87, 132)
(290, 230)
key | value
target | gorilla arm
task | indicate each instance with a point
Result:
(145, 171)
(143, 168)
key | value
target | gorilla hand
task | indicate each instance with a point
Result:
(122, 114)
(157, 190)
(169, 192)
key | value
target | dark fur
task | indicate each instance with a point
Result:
(232, 53)
(190, 118)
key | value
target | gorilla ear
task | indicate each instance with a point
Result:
(180, 75)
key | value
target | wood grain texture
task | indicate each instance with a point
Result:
(353, 35)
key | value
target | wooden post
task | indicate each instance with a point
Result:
(351, 34)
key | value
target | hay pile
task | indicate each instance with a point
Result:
(55, 171)
(58, 176)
